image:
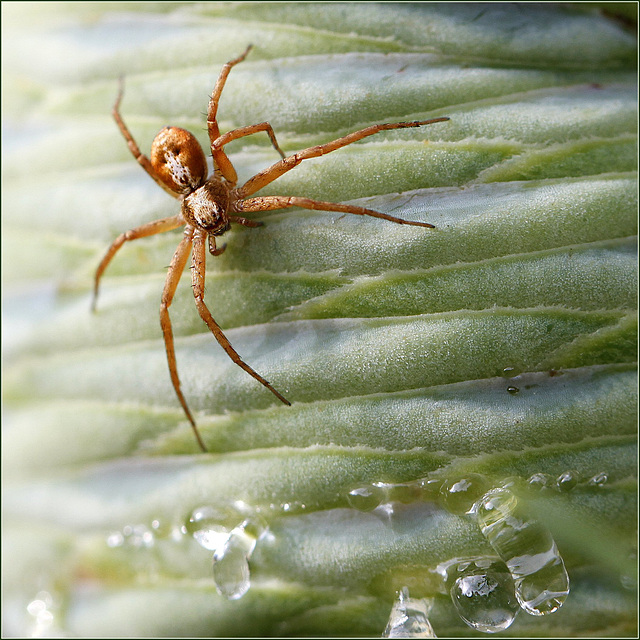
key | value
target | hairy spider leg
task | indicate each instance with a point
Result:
(221, 161)
(197, 275)
(149, 229)
(268, 203)
(174, 273)
(144, 162)
(278, 169)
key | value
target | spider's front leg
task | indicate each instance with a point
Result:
(269, 203)
(273, 172)
(221, 161)
(198, 273)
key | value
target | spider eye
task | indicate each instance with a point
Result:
(179, 160)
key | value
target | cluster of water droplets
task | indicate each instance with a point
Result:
(458, 496)
(42, 610)
(232, 545)
(136, 535)
(231, 531)
(527, 573)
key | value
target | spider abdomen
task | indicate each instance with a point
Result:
(208, 206)
(178, 160)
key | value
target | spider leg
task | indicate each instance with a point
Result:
(174, 273)
(223, 163)
(269, 174)
(198, 271)
(220, 159)
(268, 203)
(144, 162)
(213, 249)
(149, 229)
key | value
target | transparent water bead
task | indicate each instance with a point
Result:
(567, 481)
(539, 481)
(367, 498)
(205, 525)
(409, 618)
(231, 564)
(484, 595)
(528, 550)
(598, 480)
(459, 496)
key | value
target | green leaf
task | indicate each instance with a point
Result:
(503, 342)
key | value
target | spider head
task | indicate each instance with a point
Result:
(207, 207)
(178, 160)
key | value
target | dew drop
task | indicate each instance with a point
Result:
(529, 551)
(115, 539)
(255, 526)
(231, 564)
(511, 482)
(205, 525)
(485, 600)
(459, 496)
(598, 480)
(367, 498)
(409, 618)
(513, 390)
(42, 608)
(567, 481)
(538, 481)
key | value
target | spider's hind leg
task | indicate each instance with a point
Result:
(197, 274)
(176, 268)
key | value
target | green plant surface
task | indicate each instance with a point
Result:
(503, 342)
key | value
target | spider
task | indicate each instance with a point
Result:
(209, 204)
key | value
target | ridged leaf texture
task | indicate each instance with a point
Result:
(502, 342)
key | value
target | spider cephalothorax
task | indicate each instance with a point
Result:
(211, 204)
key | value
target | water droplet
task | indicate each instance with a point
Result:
(409, 618)
(512, 482)
(41, 608)
(567, 481)
(459, 496)
(136, 535)
(485, 599)
(115, 539)
(545, 589)
(513, 390)
(529, 551)
(367, 498)
(539, 481)
(509, 372)
(205, 525)
(231, 564)
(598, 480)
(255, 526)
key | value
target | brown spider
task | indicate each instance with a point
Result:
(211, 204)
